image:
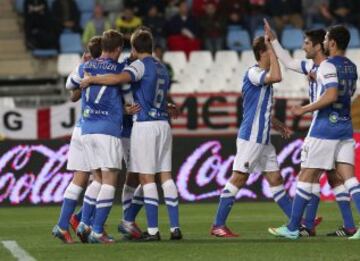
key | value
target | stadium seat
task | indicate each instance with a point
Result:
(196, 70)
(238, 40)
(235, 84)
(19, 6)
(85, 18)
(7, 102)
(187, 83)
(228, 59)
(222, 72)
(259, 32)
(67, 63)
(50, 3)
(70, 43)
(177, 60)
(44, 53)
(85, 5)
(292, 38)
(247, 58)
(355, 38)
(201, 58)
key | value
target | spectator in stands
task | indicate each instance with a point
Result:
(285, 12)
(339, 11)
(126, 23)
(235, 12)
(182, 31)
(198, 6)
(66, 15)
(171, 9)
(312, 12)
(212, 27)
(111, 5)
(96, 26)
(156, 22)
(257, 11)
(38, 25)
(159, 53)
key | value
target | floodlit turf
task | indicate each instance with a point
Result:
(31, 228)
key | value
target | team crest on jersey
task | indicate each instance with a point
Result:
(86, 112)
(333, 117)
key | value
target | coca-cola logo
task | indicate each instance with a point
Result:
(46, 183)
(205, 168)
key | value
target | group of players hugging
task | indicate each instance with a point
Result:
(125, 117)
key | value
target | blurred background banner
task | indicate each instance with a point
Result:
(201, 114)
(34, 172)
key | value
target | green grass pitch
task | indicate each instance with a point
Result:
(31, 228)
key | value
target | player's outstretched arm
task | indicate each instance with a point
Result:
(108, 79)
(274, 74)
(328, 97)
(281, 53)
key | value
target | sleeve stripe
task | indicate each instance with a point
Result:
(331, 85)
(74, 82)
(132, 73)
(262, 78)
(303, 67)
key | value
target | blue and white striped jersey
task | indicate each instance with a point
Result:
(257, 105)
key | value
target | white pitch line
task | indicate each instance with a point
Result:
(18, 252)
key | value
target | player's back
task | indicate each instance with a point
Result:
(336, 118)
(102, 105)
(151, 91)
(257, 103)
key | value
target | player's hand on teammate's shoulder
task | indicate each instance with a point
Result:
(173, 110)
(85, 82)
(297, 110)
(131, 109)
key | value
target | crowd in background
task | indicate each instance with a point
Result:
(181, 24)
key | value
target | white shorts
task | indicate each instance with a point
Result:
(102, 151)
(323, 154)
(76, 157)
(125, 142)
(151, 147)
(251, 156)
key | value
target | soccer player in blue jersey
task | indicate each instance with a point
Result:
(330, 142)
(151, 140)
(101, 131)
(254, 150)
(76, 159)
(314, 50)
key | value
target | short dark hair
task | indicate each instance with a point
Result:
(142, 41)
(316, 36)
(259, 46)
(94, 46)
(111, 40)
(341, 35)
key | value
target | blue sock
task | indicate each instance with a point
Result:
(89, 203)
(103, 206)
(227, 199)
(312, 206)
(151, 201)
(88, 210)
(302, 198)
(343, 200)
(68, 207)
(282, 199)
(79, 214)
(172, 203)
(71, 197)
(131, 213)
(353, 186)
